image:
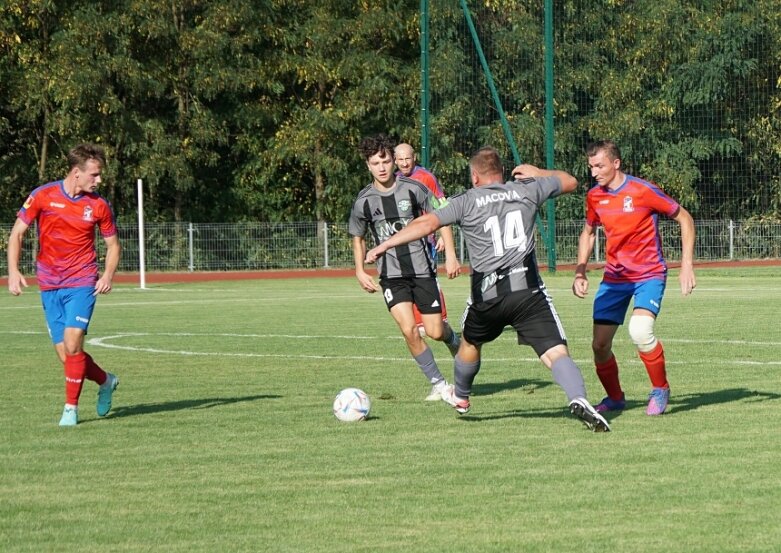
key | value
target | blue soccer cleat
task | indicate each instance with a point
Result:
(609, 404)
(657, 401)
(70, 416)
(105, 391)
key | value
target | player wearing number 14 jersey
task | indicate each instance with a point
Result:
(497, 221)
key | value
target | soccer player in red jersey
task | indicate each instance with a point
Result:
(628, 209)
(407, 162)
(67, 212)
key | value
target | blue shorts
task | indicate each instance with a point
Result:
(612, 300)
(67, 307)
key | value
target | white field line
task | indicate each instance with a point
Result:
(108, 342)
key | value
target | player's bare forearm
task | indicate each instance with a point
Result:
(113, 253)
(686, 277)
(359, 252)
(16, 280)
(418, 228)
(452, 264)
(568, 182)
(365, 280)
(447, 237)
(586, 243)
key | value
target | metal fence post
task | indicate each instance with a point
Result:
(325, 244)
(731, 239)
(190, 232)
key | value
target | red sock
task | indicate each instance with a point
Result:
(418, 318)
(608, 376)
(654, 364)
(75, 368)
(94, 372)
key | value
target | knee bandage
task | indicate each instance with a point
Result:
(641, 330)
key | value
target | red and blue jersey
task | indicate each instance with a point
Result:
(427, 177)
(66, 234)
(630, 218)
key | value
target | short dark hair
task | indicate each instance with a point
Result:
(378, 143)
(81, 154)
(486, 161)
(608, 146)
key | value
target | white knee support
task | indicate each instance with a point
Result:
(641, 330)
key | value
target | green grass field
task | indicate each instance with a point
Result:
(222, 439)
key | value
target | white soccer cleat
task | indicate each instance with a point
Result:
(461, 405)
(589, 416)
(438, 391)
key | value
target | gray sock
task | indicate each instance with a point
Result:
(429, 367)
(464, 376)
(567, 375)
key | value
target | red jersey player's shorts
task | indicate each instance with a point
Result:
(67, 307)
(612, 299)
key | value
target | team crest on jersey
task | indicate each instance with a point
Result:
(629, 207)
(28, 202)
(404, 205)
(87, 216)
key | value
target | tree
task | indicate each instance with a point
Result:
(344, 70)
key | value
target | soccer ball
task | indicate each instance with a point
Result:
(352, 404)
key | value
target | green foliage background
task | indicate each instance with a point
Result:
(237, 111)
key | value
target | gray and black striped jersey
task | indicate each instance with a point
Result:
(384, 214)
(497, 223)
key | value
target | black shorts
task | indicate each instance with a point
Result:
(529, 312)
(423, 292)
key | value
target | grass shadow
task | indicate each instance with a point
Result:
(525, 384)
(678, 404)
(204, 403)
(519, 414)
(690, 402)
(695, 401)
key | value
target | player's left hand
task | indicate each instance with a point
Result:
(102, 286)
(440, 246)
(687, 280)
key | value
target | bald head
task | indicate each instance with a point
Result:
(405, 158)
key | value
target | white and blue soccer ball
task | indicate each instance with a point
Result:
(351, 405)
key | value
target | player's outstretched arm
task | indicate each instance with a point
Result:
(568, 182)
(686, 276)
(586, 242)
(16, 280)
(418, 228)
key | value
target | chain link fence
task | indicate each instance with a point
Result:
(266, 246)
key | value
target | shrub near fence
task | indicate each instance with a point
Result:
(261, 246)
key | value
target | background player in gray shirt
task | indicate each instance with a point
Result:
(497, 221)
(407, 273)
